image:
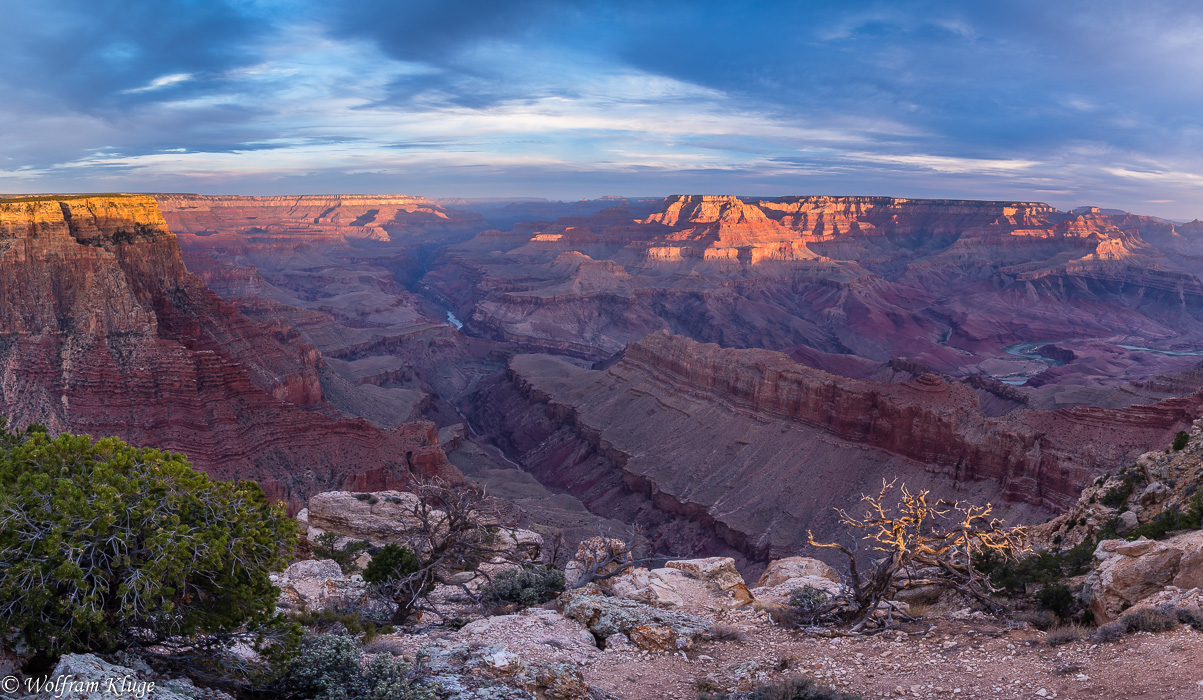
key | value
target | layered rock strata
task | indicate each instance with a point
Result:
(950, 284)
(103, 331)
(717, 450)
(348, 217)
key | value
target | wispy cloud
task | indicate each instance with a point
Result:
(160, 83)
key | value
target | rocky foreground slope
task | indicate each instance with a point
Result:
(103, 331)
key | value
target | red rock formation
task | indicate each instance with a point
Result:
(942, 282)
(104, 332)
(323, 217)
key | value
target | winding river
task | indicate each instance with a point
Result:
(1027, 351)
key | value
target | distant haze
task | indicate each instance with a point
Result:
(1069, 103)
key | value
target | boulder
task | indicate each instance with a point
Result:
(544, 626)
(88, 677)
(387, 517)
(674, 588)
(377, 518)
(316, 585)
(779, 594)
(781, 570)
(719, 571)
(1125, 573)
(702, 583)
(646, 626)
(619, 642)
(660, 587)
(783, 576)
(537, 652)
(1127, 522)
(1154, 493)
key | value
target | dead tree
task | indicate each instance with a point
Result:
(916, 535)
(450, 532)
(604, 557)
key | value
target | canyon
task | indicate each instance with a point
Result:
(715, 370)
(105, 332)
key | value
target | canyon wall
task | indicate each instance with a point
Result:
(746, 450)
(104, 331)
(325, 218)
(950, 284)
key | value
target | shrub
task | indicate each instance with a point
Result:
(106, 547)
(332, 621)
(450, 536)
(399, 574)
(1117, 496)
(392, 561)
(1155, 619)
(810, 604)
(329, 668)
(1192, 617)
(529, 585)
(795, 688)
(1058, 599)
(1015, 575)
(1064, 634)
(325, 548)
(722, 632)
(1110, 632)
(1180, 440)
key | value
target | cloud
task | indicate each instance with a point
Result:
(1075, 101)
(161, 82)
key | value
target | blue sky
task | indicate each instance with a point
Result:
(1065, 102)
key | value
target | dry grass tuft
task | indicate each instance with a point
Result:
(1064, 634)
(728, 633)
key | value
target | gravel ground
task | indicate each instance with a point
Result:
(940, 657)
(955, 659)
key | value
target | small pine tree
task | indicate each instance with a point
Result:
(1180, 440)
(391, 562)
(398, 573)
(526, 586)
(106, 547)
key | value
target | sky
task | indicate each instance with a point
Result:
(1065, 102)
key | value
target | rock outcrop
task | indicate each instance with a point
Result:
(105, 332)
(1125, 573)
(1161, 483)
(88, 677)
(646, 626)
(537, 651)
(391, 517)
(317, 585)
